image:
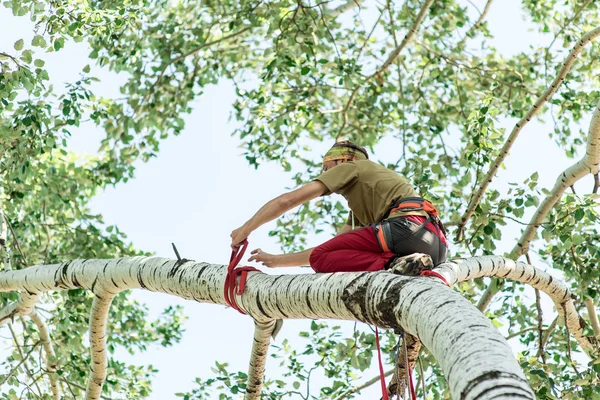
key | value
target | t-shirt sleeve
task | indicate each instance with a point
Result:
(339, 177)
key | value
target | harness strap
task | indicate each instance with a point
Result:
(231, 287)
(411, 204)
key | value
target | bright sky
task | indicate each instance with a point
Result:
(200, 188)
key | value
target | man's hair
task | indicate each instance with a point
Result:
(346, 150)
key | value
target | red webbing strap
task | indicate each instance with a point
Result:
(428, 272)
(410, 383)
(384, 392)
(230, 289)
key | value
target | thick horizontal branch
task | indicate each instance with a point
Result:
(476, 359)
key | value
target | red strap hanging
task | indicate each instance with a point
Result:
(231, 287)
(384, 392)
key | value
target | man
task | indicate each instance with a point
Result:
(394, 221)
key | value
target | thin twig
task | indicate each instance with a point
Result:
(393, 55)
(549, 330)
(540, 324)
(27, 370)
(80, 388)
(479, 21)
(14, 59)
(422, 375)
(364, 385)
(12, 232)
(184, 56)
(23, 359)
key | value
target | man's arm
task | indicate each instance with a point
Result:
(276, 207)
(298, 259)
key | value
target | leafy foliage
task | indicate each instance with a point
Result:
(304, 74)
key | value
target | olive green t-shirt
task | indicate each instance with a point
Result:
(370, 188)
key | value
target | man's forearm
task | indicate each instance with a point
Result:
(298, 259)
(271, 210)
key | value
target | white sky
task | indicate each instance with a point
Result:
(200, 188)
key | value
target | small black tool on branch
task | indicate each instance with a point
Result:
(176, 252)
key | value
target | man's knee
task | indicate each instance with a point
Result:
(315, 259)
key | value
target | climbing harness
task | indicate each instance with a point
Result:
(411, 204)
(231, 287)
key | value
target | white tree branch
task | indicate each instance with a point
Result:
(534, 110)
(98, 316)
(49, 357)
(23, 306)
(494, 266)
(591, 309)
(260, 349)
(342, 8)
(476, 359)
(587, 165)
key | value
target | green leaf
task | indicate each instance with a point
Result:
(19, 45)
(38, 41)
(27, 56)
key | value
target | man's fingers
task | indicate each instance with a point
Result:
(256, 251)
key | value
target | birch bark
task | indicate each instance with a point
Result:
(476, 359)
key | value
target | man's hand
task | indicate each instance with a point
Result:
(238, 236)
(268, 260)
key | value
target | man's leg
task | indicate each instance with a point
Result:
(351, 252)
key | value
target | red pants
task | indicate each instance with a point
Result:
(354, 251)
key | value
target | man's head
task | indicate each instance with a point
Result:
(342, 152)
